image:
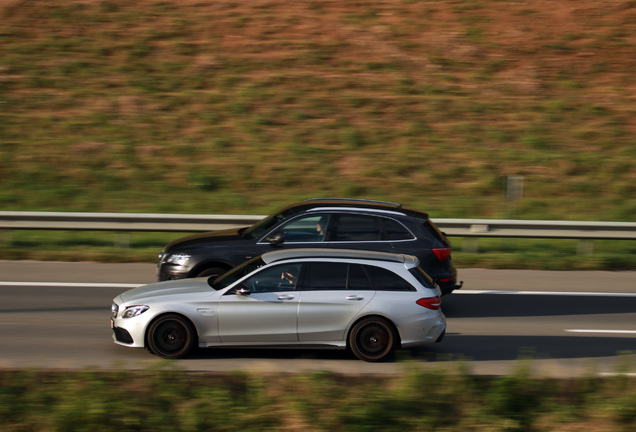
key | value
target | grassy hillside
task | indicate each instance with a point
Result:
(244, 106)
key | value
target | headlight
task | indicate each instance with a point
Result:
(114, 308)
(177, 259)
(133, 311)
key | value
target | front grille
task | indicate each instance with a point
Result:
(122, 335)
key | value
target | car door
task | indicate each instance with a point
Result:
(332, 295)
(267, 314)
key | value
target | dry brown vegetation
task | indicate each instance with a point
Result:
(226, 106)
(245, 106)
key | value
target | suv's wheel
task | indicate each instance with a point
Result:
(171, 336)
(373, 339)
(213, 271)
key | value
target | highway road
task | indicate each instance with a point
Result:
(56, 316)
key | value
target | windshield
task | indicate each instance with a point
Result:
(236, 273)
(264, 225)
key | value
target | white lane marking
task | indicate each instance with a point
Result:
(70, 284)
(552, 293)
(614, 374)
(601, 331)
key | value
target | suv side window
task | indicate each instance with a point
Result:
(306, 229)
(368, 228)
(357, 228)
(386, 280)
(393, 230)
(320, 276)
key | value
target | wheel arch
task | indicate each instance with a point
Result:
(204, 265)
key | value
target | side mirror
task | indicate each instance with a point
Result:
(275, 238)
(242, 289)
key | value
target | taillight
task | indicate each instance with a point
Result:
(433, 303)
(442, 254)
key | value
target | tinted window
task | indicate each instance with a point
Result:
(393, 230)
(357, 228)
(335, 276)
(422, 277)
(325, 276)
(386, 280)
(358, 279)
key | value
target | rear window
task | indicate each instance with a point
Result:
(422, 277)
(386, 280)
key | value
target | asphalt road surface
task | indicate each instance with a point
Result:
(56, 316)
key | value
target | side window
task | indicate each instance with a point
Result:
(306, 229)
(282, 277)
(386, 280)
(357, 228)
(393, 230)
(325, 276)
(358, 279)
(335, 277)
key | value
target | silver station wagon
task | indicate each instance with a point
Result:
(369, 302)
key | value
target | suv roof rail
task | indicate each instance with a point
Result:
(357, 200)
(273, 256)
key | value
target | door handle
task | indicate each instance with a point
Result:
(286, 297)
(355, 297)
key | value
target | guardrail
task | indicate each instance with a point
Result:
(197, 223)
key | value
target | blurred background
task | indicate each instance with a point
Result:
(226, 107)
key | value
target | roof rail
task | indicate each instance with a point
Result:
(357, 200)
(273, 256)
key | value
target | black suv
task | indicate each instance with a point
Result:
(315, 223)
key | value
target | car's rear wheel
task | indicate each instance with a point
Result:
(373, 339)
(213, 271)
(171, 336)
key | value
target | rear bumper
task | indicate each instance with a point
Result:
(450, 288)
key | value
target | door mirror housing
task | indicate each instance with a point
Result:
(275, 238)
(242, 289)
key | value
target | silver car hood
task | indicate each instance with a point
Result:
(169, 288)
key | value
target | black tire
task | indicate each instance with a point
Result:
(213, 271)
(171, 336)
(373, 339)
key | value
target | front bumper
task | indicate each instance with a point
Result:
(167, 272)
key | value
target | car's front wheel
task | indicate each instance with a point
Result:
(171, 336)
(373, 339)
